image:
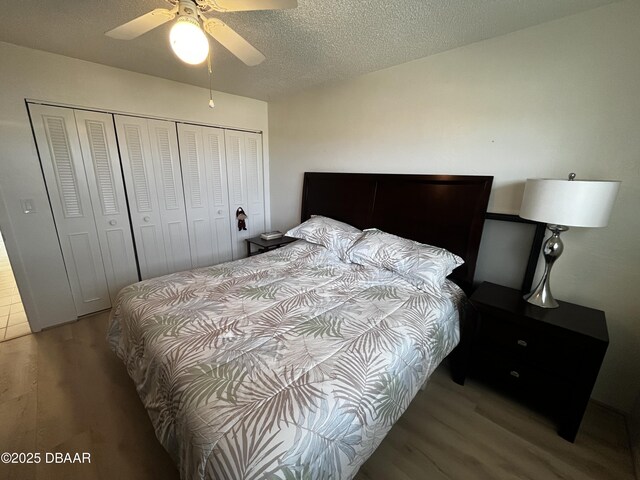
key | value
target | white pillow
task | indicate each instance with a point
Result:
(418, 263)
(332, 234)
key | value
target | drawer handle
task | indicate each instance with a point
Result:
(515, 374)
(522, 343)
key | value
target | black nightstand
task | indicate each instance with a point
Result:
(266, 245)
(550, 357)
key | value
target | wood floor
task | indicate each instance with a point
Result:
(63, 390)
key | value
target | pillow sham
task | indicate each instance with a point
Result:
(418, 263)
(332, 234)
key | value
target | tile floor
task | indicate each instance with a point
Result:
(13, 321)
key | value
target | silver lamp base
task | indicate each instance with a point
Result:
(551, 250)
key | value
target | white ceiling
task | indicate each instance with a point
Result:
(320, 41)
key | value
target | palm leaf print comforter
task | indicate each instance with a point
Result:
(287, 365)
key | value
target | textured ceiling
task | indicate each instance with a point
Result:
(320, 41)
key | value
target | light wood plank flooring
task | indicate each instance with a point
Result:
(63, 390)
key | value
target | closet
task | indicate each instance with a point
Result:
(246, 185)
(151, 166)
(206, 194)
(81, 167)
(135, 198)
(222, 172)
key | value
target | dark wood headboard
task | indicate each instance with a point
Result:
(447, 211)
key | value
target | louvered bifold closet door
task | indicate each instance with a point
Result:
(205, 191)
(63, 167)
(164, 149)
(151, 166)
(246, 185)
(106, 186)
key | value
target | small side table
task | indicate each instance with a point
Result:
(266, 245)
(547, 356)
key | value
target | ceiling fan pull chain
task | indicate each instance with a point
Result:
(211, 103)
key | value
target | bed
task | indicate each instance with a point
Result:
(296, 363)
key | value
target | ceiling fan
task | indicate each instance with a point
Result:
(187, 39)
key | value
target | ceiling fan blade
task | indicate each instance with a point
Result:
(142, 24)
(244, 5)
(233, 42)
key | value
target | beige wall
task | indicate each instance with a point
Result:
(542, 102)
(32, 242)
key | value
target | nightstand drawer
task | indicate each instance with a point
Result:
(552, 353)
(521, 379)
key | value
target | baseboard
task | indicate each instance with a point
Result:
(634, 439)
(632, 421)
(633, 428)
(609, 407)
(635, 449)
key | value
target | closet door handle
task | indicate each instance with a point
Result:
(112, 222)
(219, 212)
(146, 219)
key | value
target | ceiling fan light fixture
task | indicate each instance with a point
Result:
(188, 41)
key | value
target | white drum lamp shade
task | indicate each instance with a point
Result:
(563, 204)
(576, 203)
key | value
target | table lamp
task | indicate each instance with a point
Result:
(562, 204)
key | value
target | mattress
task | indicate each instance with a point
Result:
(289, 364)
